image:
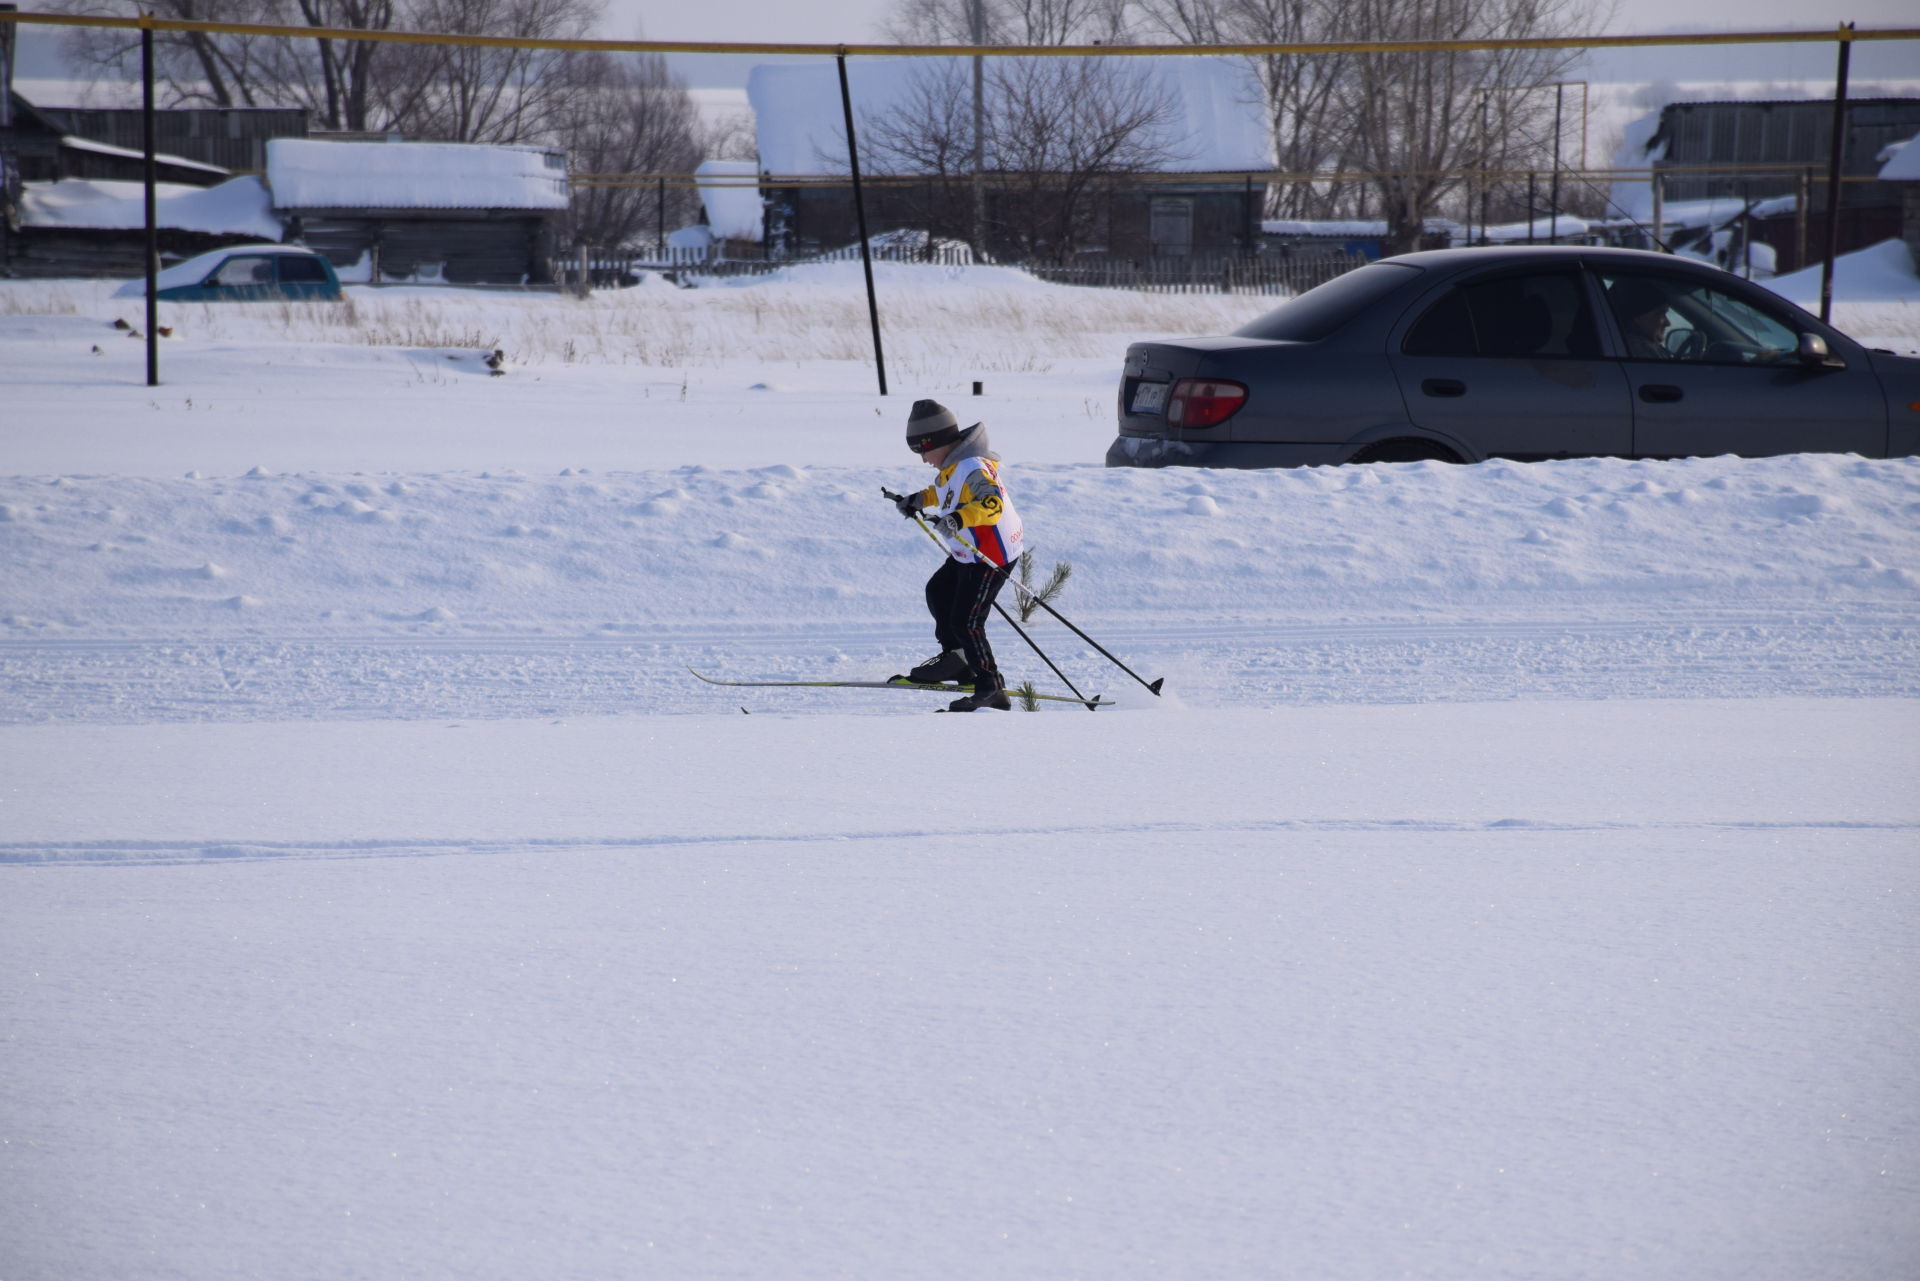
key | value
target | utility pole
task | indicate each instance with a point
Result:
(1835, 160)
(979, 134)
(1553, 212)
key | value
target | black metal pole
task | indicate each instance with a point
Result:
(860, 218)
(153, 212)
(1153, 687)
(1838, 145)
(1553, 212)
(1002, 609)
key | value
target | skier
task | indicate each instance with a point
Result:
(977, 522)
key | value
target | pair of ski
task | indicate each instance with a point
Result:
(1091, 704)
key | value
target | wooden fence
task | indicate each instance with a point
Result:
(1185, 275)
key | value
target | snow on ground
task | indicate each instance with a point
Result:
(1881, 273)
(1518, 879)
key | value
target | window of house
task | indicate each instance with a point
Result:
(1172, 229)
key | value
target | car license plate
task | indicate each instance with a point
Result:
(1149, 398)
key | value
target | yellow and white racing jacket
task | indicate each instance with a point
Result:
(971, 486)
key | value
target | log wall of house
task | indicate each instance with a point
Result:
(46, 253)
(478, 248)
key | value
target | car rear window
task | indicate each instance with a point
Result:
(1324, 308)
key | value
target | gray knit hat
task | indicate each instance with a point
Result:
(931, 425)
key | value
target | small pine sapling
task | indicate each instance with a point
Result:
(1032, 598)
(1029, 696)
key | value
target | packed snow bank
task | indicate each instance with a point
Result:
(304, 595)
(575, 552)
(1878, 273)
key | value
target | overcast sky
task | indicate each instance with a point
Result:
(858, 22)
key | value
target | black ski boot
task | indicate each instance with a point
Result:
(995, 698)
(951, 665)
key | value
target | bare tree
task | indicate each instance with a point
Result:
(729, 136)
(1299, 93)
(633, 117)
(1062, 129)
(192, 69)
(1417, 116)
(339, 81)
(1029, 22)
(441, 91)
(1050, 130)
(464, 93)
(926, 138)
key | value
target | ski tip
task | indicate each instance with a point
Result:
(1155, 687)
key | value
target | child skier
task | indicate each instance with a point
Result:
(981, 530)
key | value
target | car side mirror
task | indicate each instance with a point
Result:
(1813, 351)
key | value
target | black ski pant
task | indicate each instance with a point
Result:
(960, 597)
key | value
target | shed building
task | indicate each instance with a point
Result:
(1750, 152)
(423, 211)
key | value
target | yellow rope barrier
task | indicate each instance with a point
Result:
(1842, 35)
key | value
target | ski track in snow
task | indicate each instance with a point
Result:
(108, 682)
(315, 597)
(165, 853)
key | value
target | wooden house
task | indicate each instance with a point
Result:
(1203, 200)
(396, 211)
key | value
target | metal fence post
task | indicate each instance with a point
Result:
(1839, 145)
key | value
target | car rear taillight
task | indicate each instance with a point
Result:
(1204, 402)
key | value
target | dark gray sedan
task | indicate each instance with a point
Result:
(1525, 353)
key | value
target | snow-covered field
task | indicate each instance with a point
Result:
(1518, 879)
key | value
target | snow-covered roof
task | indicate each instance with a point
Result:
(732, 199)
(1903, 165)
(1560, 228)
(1216, 126)
(1348, 228)
(308, 173)
(74, 143)
(237, 207)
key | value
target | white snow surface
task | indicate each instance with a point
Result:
(1517, 878)
(1879, 273)
(733, 202)
(307, 173)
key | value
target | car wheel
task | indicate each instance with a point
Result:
(1405, 450)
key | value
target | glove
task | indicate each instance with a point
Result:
(951, 524)
(907, 505)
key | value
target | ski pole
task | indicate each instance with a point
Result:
(1153, 687)
(1031, 644)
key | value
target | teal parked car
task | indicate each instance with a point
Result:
(245, 273)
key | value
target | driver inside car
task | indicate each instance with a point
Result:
(1641, 308)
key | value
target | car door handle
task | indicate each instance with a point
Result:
(1660, 393)
(1443, 387)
